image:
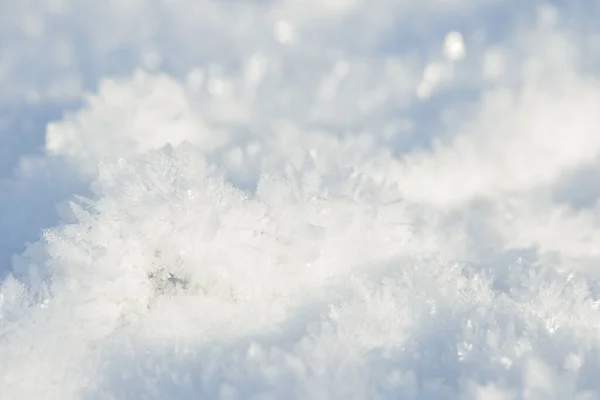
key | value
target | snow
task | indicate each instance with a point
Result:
(313, 200)
(454, 46)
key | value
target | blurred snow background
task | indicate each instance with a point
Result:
(333, 199)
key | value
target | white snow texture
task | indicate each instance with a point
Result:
(284, 199)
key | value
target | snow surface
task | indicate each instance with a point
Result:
(283, 199)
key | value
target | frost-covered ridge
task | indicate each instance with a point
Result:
(316, 297)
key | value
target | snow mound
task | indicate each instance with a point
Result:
(312, 200)
(170, 282)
